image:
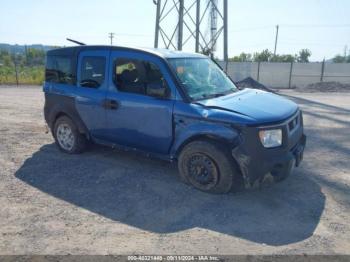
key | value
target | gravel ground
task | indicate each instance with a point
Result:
(325, 87)
(110, 202)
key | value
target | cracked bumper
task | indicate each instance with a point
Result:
(257, 163)
(255, 169)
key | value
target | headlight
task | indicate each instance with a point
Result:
(271, 138)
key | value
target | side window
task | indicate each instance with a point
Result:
(59, 70)
(92, 71)
(139, 76)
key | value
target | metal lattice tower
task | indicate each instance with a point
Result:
(181, 22)
(213, 22)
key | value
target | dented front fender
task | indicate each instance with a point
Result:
(188, 129)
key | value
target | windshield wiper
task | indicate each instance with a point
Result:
(218, 94)
(206, 96)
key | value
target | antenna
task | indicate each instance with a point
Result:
(75, 41)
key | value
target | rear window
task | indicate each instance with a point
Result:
(59, 70)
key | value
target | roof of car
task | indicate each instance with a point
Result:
(161, 52)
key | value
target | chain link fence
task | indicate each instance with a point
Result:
(29, 75)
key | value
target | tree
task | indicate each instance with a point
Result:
(284, 58)
(263, 56)
(35, 56)
(339, 59)
(304, 55)
(243, 57)
(5, 58)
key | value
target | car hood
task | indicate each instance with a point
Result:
(262, 106)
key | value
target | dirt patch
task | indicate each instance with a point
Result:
(251, 83)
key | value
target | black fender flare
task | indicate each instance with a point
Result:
(70, 111)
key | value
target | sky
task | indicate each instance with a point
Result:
(323, 26)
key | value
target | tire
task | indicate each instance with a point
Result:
(67, 136)
(207, 166)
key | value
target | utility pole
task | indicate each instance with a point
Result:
(26, 53)
(345, 52)
(16, 68)
(276, 40)
(111, 36)
(322, 69)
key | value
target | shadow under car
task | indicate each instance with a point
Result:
(147, 194)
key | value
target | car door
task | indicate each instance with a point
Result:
(91, 90)
(136, 119)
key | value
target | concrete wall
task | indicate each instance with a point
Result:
(274, 74)
(284, 75)
(337, 72)
(304, 74)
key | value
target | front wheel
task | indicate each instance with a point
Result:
(207, 166)
(67, 136)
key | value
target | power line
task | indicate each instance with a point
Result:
(252, 28)
(256, 28)
(310, 43)
(316, 25)
(84, 35)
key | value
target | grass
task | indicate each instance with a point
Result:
(33, 75)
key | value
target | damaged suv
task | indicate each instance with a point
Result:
(172, 105)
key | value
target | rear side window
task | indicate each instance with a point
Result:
(92, 71)
(59, 70)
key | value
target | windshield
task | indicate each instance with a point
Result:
(202, 78)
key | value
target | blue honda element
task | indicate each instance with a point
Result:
(172, 105)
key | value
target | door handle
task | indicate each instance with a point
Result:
(110, 104)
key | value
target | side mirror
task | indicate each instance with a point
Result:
(157, 89)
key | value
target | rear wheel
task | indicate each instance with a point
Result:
(207, 166)
(67, 136)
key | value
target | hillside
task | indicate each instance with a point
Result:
(21, 48)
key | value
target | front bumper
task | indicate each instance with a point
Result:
(258, 163)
